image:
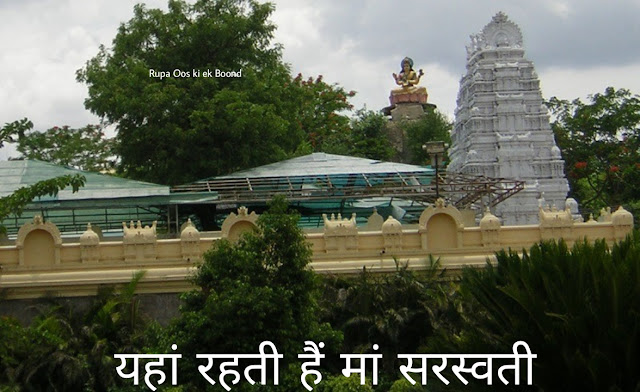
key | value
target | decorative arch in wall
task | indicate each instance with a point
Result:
(236, 224)
(38, 243)
(441, 227)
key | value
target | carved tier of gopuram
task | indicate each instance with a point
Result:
(502, 127)
(40, 262)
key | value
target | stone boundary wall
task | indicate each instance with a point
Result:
(40, 263)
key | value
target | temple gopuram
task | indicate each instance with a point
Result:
(502, 127)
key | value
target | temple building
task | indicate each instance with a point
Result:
(502, 127)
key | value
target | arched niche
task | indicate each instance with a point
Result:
(442, 232)
(236, 224)
(441, 227)
(38, 244)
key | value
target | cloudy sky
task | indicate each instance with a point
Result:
(578, 46)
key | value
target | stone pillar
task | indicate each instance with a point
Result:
(90, 246)
(190, 242)
(392, 234)
(490, 228)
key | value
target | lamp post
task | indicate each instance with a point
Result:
(436, 152)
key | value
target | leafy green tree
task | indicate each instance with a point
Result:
(85, 148)
(433, 126)
(368, 137)
(67, 350)
(578, 309)
(11, 132)
(600, 143)
(175, 128)
(319, 111)
(398, 311)
(257, 289)
(403, 385)
(344, 384)
(14, 203)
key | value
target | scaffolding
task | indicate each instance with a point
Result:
(459, 189)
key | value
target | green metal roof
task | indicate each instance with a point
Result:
(322, 164)
(319, 183)
(104, 200)
(21, 173)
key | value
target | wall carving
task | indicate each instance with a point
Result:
(236, 224)
(45, 241)
(139, 242)
(392, 234)
(340, 234)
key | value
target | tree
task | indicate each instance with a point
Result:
(578, 309)
(257, 289)
(14, 203)
(433, 126)
(399, 311)
(344, 384)
(368, 137)
(67, 350)
(600, 142)
(84, 148)
(318, 108)
(176, 121)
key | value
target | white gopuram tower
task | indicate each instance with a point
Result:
(502, 127)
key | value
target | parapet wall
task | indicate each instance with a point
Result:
(41, 263)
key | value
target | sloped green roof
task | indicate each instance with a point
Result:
(21, 173)
(104, 200)
(320, 163)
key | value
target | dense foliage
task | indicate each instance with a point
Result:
(85, 148)
(175, 128)
(600, 142)
(577, 308)
(257, 289)
(67, 350)
(433, 126)
(368, 136)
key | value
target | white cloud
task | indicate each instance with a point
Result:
(559, 8)
(587, 46)
(571, 83)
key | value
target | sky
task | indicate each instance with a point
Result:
(579, 47)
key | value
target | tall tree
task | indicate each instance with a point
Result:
(433, 126)
(600, 142)
(368, 137)
(260, 288)
(85, 148)
(319, 106)
(177, 120)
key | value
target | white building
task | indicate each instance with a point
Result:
(502, 127)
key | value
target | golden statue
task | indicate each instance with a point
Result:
(408, 80)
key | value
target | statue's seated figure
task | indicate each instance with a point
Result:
(408, 79)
